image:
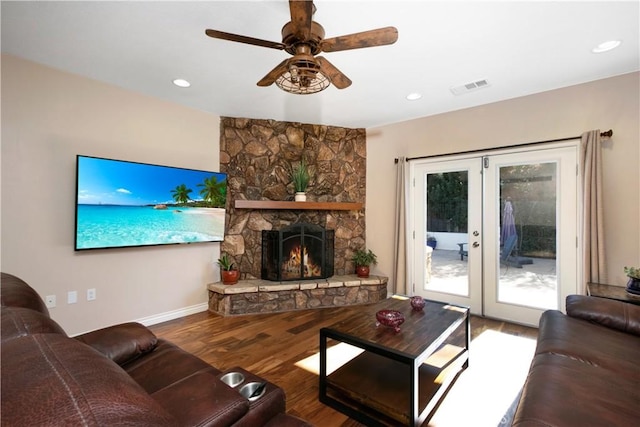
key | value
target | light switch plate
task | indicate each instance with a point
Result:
(72, 297)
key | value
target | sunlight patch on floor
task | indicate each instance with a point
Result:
(498, 367)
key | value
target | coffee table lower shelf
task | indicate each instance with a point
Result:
(377, 390)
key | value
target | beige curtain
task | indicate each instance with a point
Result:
(400, 270)
(592, 215)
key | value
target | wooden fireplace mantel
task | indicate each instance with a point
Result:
(273, 204)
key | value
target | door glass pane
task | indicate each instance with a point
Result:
(447, 217)
(527, 252)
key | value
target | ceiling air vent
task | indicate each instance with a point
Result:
(469, 87)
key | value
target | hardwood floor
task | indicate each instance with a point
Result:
(269, 345)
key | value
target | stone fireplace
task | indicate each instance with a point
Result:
(256, 155)
(298, 252)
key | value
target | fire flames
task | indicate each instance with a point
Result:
(299, 257)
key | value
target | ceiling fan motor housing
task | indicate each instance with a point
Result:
(291, 40)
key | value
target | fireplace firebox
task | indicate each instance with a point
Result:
(300, 251)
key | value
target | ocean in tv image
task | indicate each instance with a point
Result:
(122, 204)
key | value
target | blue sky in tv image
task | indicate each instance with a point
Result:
(122, 204)
(116, 182)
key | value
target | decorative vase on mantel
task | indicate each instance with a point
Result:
(300, 177)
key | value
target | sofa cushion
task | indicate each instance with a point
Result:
(19, 321)
(613, 314)
(562, 391)
(17, 293)
(165, 365)
(203, 400)
(121, 343)
(591, 343)
(49, 378)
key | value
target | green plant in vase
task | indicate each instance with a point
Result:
(633, 285)
(363, 259)
(300, 177)
(228, 273)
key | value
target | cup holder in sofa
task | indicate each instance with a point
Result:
(253, 390)
(232, 379)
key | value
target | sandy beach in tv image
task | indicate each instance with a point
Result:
(122, 204)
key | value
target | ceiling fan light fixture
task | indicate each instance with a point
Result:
(303, 77)
(294, 85)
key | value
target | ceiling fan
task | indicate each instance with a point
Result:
(304, 72)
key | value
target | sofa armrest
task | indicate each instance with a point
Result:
(121, 343)
(17, 293)
(20, 321)
(611, 313)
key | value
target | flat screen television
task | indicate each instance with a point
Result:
(122, 204)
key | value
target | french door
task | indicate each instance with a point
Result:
(496, 232)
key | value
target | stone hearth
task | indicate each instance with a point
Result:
(263, 296)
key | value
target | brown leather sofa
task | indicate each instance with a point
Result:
(120, 375)
(586, 367)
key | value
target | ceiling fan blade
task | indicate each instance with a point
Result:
(338, 79)
(243, 39)
(273, 75)
(301, 13)
(371, 38)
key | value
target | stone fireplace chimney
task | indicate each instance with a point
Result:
(256, 155)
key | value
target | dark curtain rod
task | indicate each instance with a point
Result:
(606, 134)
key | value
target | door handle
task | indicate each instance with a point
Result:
(476, 244)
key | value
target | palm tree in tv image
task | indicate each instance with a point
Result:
(181, 194)
(214, 192)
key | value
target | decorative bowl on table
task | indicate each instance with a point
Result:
(390, 318)
(417, 303)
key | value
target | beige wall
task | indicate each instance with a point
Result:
(47, 118)
(612, 103)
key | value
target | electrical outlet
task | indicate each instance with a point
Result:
(91, 294)
(50, 301)
(72, 297)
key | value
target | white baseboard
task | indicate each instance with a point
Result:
(174, 314)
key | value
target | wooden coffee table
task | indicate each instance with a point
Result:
(397, 378)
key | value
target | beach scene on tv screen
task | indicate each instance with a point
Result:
(122, 204)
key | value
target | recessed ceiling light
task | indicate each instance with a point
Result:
(181, 83)
(414, 96)
(606, 46)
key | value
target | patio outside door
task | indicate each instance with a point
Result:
(506, 231)
(531, 233)
(447, 224)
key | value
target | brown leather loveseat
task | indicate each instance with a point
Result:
(586, 367)
(120, 375)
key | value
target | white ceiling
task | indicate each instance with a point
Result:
(520, 47)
